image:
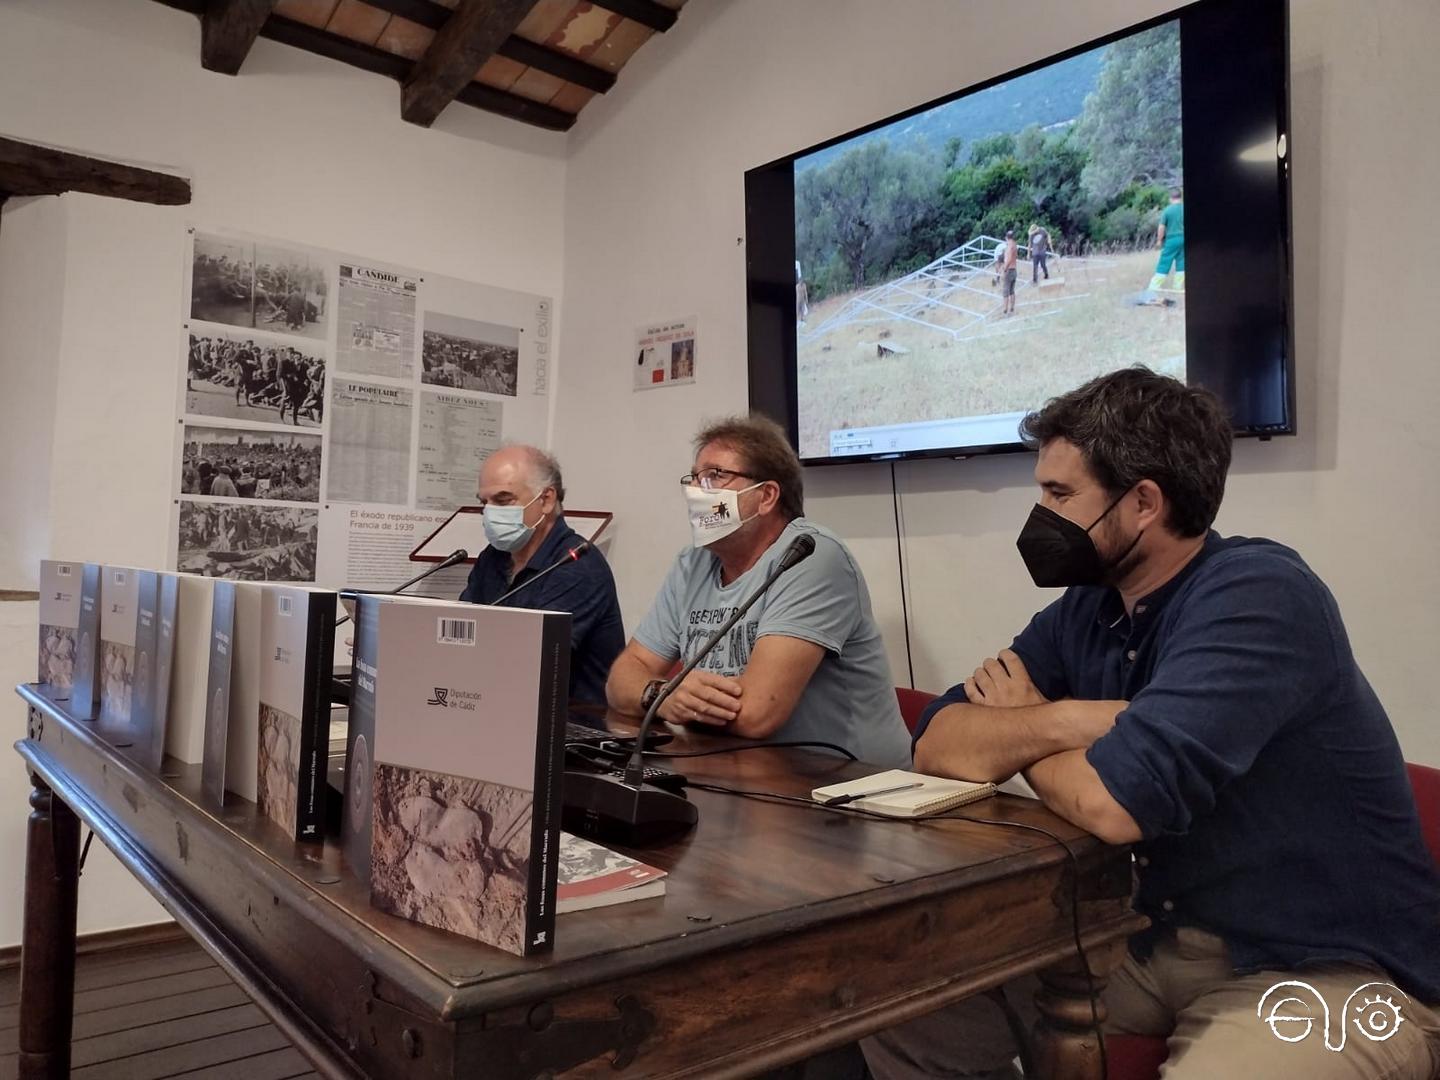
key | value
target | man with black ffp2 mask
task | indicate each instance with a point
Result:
(1196, 696)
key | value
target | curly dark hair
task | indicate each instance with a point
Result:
(767, 454)
(1134, 425)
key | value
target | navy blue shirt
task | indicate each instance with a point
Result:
(1255, 758)
(585, 588)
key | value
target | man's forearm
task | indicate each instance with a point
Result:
(1069, 785)
(982, 742)
(627, 681)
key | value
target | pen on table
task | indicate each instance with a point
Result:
(841, 800)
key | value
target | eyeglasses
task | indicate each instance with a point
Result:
(710, 479)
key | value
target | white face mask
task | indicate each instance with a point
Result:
(714, 514)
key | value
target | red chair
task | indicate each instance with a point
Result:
(1139, 1057)
(912, 704)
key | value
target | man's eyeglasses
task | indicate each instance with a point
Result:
(710, 479)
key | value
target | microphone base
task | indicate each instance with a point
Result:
(606, 809)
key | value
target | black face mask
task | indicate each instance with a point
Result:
(1059, 553)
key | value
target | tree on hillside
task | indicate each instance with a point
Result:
(861, 206)
(1131, 121)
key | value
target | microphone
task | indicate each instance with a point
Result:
(570, 556)
(627, 810)
(459, 555)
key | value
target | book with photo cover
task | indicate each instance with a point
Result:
(59, 626)
(85, 689)
(297, 644)
(592, 876)
(154, 703)
(146, 731)
(119, 623)
(898, 793)
(217, 691)
(235, 759)
(455, 765)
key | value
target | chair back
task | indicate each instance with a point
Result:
(912, 704)
(1426, 783)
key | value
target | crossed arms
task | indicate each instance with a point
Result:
(1006, 726)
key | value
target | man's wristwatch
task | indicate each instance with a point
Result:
(650, 693)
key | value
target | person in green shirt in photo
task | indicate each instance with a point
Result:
(1170, 238)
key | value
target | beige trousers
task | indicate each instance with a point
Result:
(1217, 1024)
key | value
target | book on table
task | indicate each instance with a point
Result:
(592, 876)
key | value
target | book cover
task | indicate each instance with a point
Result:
(217, 691)
(140, 738)
(167, 627)
(242, 732)
(591, 875)
(59, 626)
(190, 672)
(297, 643)
(467, 749)
(355, 817)
(119, 602)
(85, 690)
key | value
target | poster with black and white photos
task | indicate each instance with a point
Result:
(333, 409)
(251, 463)
(243, 375)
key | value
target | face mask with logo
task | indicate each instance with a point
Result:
(505, 526)
(1059, 552)
(714, 514)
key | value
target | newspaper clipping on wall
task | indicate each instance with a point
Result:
(369, 443)
(376, 332)
(457, 434)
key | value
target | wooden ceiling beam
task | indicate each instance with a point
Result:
(433, 15)
(370, 58)
(469, 37)
(227, 30)
(27, 169)
(657, 17)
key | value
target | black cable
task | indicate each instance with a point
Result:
(782, 745)
(84, 851)
(900, 560)
(800, 800)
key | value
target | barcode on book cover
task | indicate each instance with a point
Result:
(456, 632)
(63, 570)
(118, 577)
(286, 603)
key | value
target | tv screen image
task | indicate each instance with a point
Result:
(957, 266)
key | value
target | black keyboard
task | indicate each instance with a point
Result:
(592, 736)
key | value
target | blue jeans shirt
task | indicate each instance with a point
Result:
(1256, 759)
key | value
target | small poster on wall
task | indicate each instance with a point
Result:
(664, 353)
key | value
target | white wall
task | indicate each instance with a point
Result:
(655, 207)
(298, 147)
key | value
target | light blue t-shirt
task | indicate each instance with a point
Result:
(850, 699)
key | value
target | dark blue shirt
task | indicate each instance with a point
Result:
(1256, 759)
(585, 588)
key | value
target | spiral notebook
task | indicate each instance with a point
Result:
(922, 794)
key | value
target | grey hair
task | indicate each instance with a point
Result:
(544, 471)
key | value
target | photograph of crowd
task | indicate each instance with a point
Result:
(258, 286)
(248, 543)
(238, 377)
(235, 464)
(470, 355)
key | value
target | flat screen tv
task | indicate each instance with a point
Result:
(917, 285)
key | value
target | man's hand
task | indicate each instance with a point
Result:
(704, 698)
(1002, 682)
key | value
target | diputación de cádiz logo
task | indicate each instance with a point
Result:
(1376, 1016)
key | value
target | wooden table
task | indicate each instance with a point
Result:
(785, 930)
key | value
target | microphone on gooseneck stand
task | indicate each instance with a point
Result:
(570, 556)
(626, 810)
(459, 555)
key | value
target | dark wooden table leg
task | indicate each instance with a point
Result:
(1065, 1043)
(47, 948)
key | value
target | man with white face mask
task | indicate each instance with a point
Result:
(522, 492)
(807, 662)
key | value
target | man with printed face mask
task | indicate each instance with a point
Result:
(1196, 696)
(807, 662)
(522, 493)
